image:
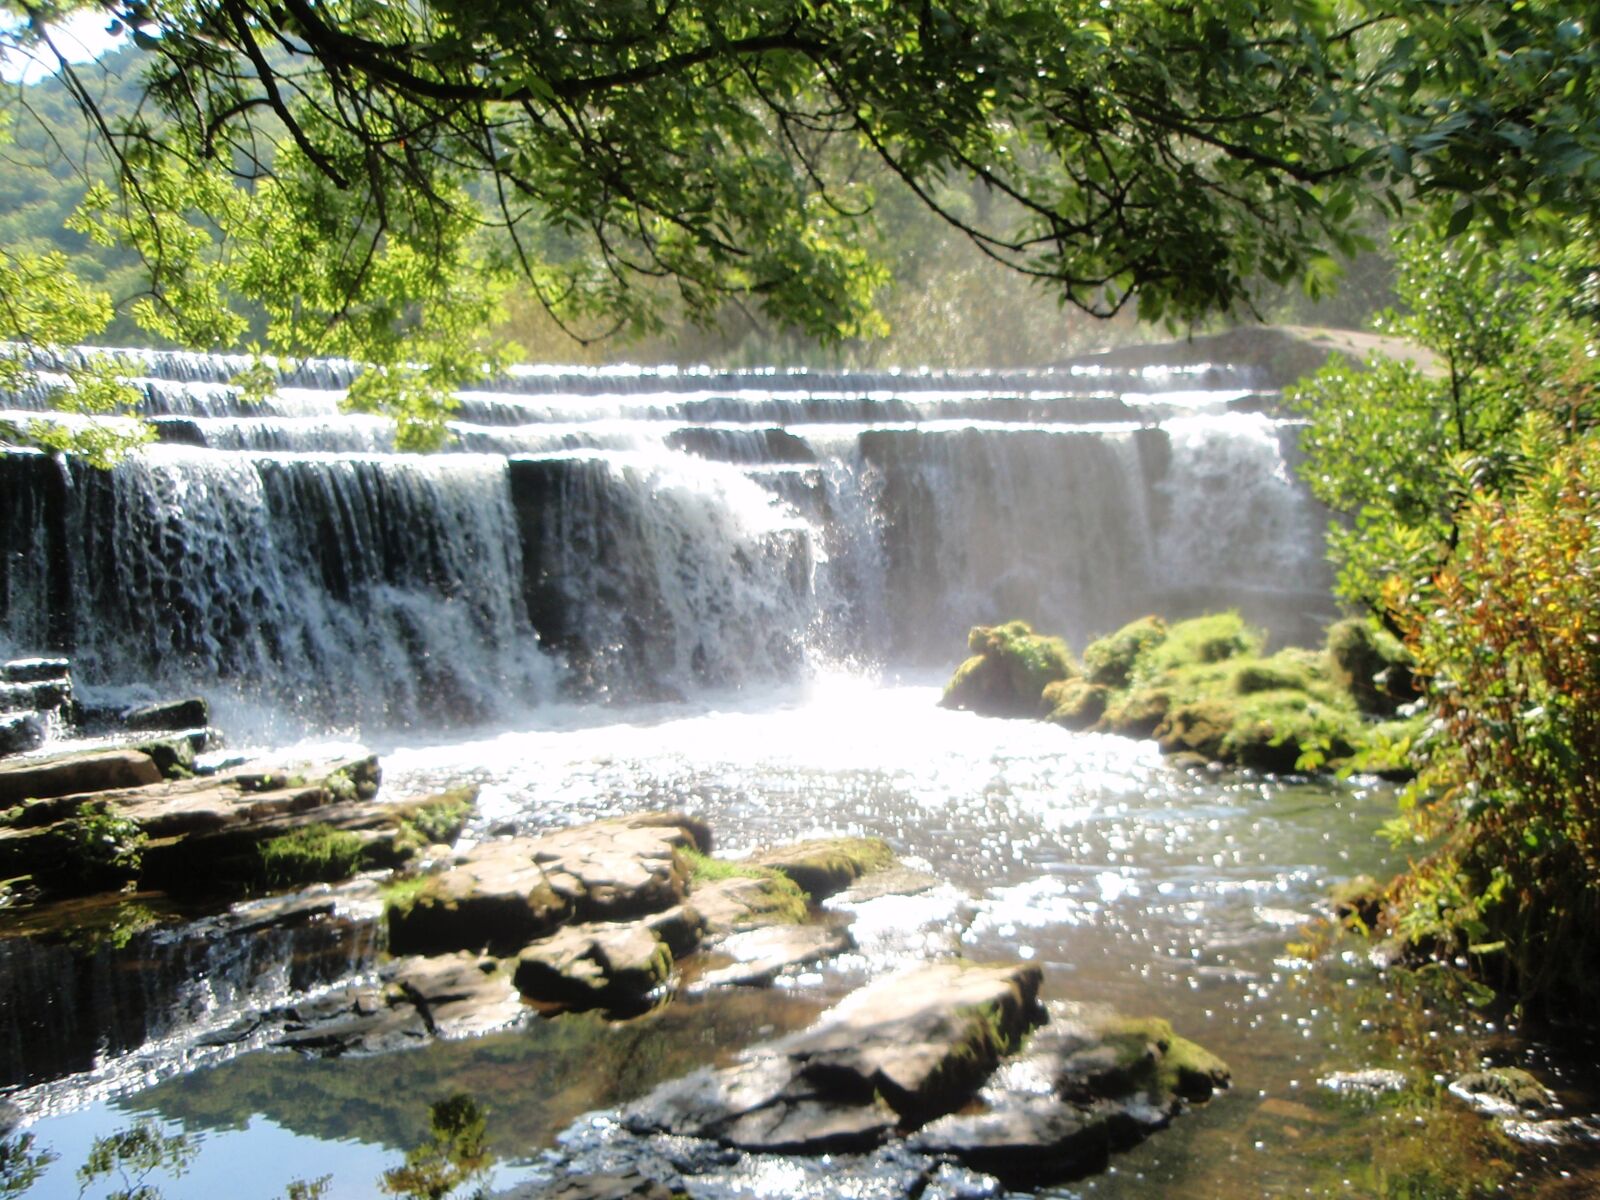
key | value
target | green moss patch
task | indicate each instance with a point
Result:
(1150, 1057)
(314, 854)
(772, 899)
(1010, 668)
(1202, 688)
(1076, 703)
(1209, 639)
(437, 820)
(825, 866)
(1110, 661)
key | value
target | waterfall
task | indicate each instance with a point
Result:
(68, 1007)
(626, 533)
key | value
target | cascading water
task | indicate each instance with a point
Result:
(629, 533)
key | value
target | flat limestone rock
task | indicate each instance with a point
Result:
(610, 965)
(506, 893)
(72, 774)
(746, 902)
(926, 1037)
(825, 866)
(760, 955)
(1029, 1142)
(895, 1053)
(890, 881)
(417, 1000)
(1086, 1087)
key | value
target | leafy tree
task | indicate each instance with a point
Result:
(1388, 442)
(20, 1164)
(375, 175)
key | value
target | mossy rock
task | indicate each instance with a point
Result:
(826, 866)
(1110, 660)
(1372, 665)
(1201, 727)
(1209, 639)
(1137, 713)
(735, 895)
(1076, 703)
(433, 820)
(312, 854)
(1293, 669)
(1145, 1055)
(1010, 667)
(1267, 731)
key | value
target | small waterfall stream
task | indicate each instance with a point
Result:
(628, 534)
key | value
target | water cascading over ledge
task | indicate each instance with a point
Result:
(627, 534)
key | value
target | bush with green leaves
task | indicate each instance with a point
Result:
(1509, 636)
(1393, 447)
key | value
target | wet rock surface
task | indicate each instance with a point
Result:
(910, 1047)
(761, 955)
(503, 894)
(190, 833)
(865, 1102)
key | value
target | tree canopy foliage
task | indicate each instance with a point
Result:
(374, 175)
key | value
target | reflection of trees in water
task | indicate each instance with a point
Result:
(534, 1082)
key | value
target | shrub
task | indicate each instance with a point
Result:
(1509, 635)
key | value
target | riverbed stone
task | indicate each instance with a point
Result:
(1504, 1090)
(21, 732)
(506, 893)
(416, 999)
(75, 774)
(1010, 668)
(825, 866)
(748, 902)
(760, 955)
(612, 965)
(168, 716)
(34, 670)
(1087, 1086)
(896, 1053)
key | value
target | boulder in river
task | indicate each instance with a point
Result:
(504, 894)
(168, 716)
(75, 774)
(614, 965)
(823, 867)
(898, 1052)
(1010, 667)
(1086, 1086)
(20, 732)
